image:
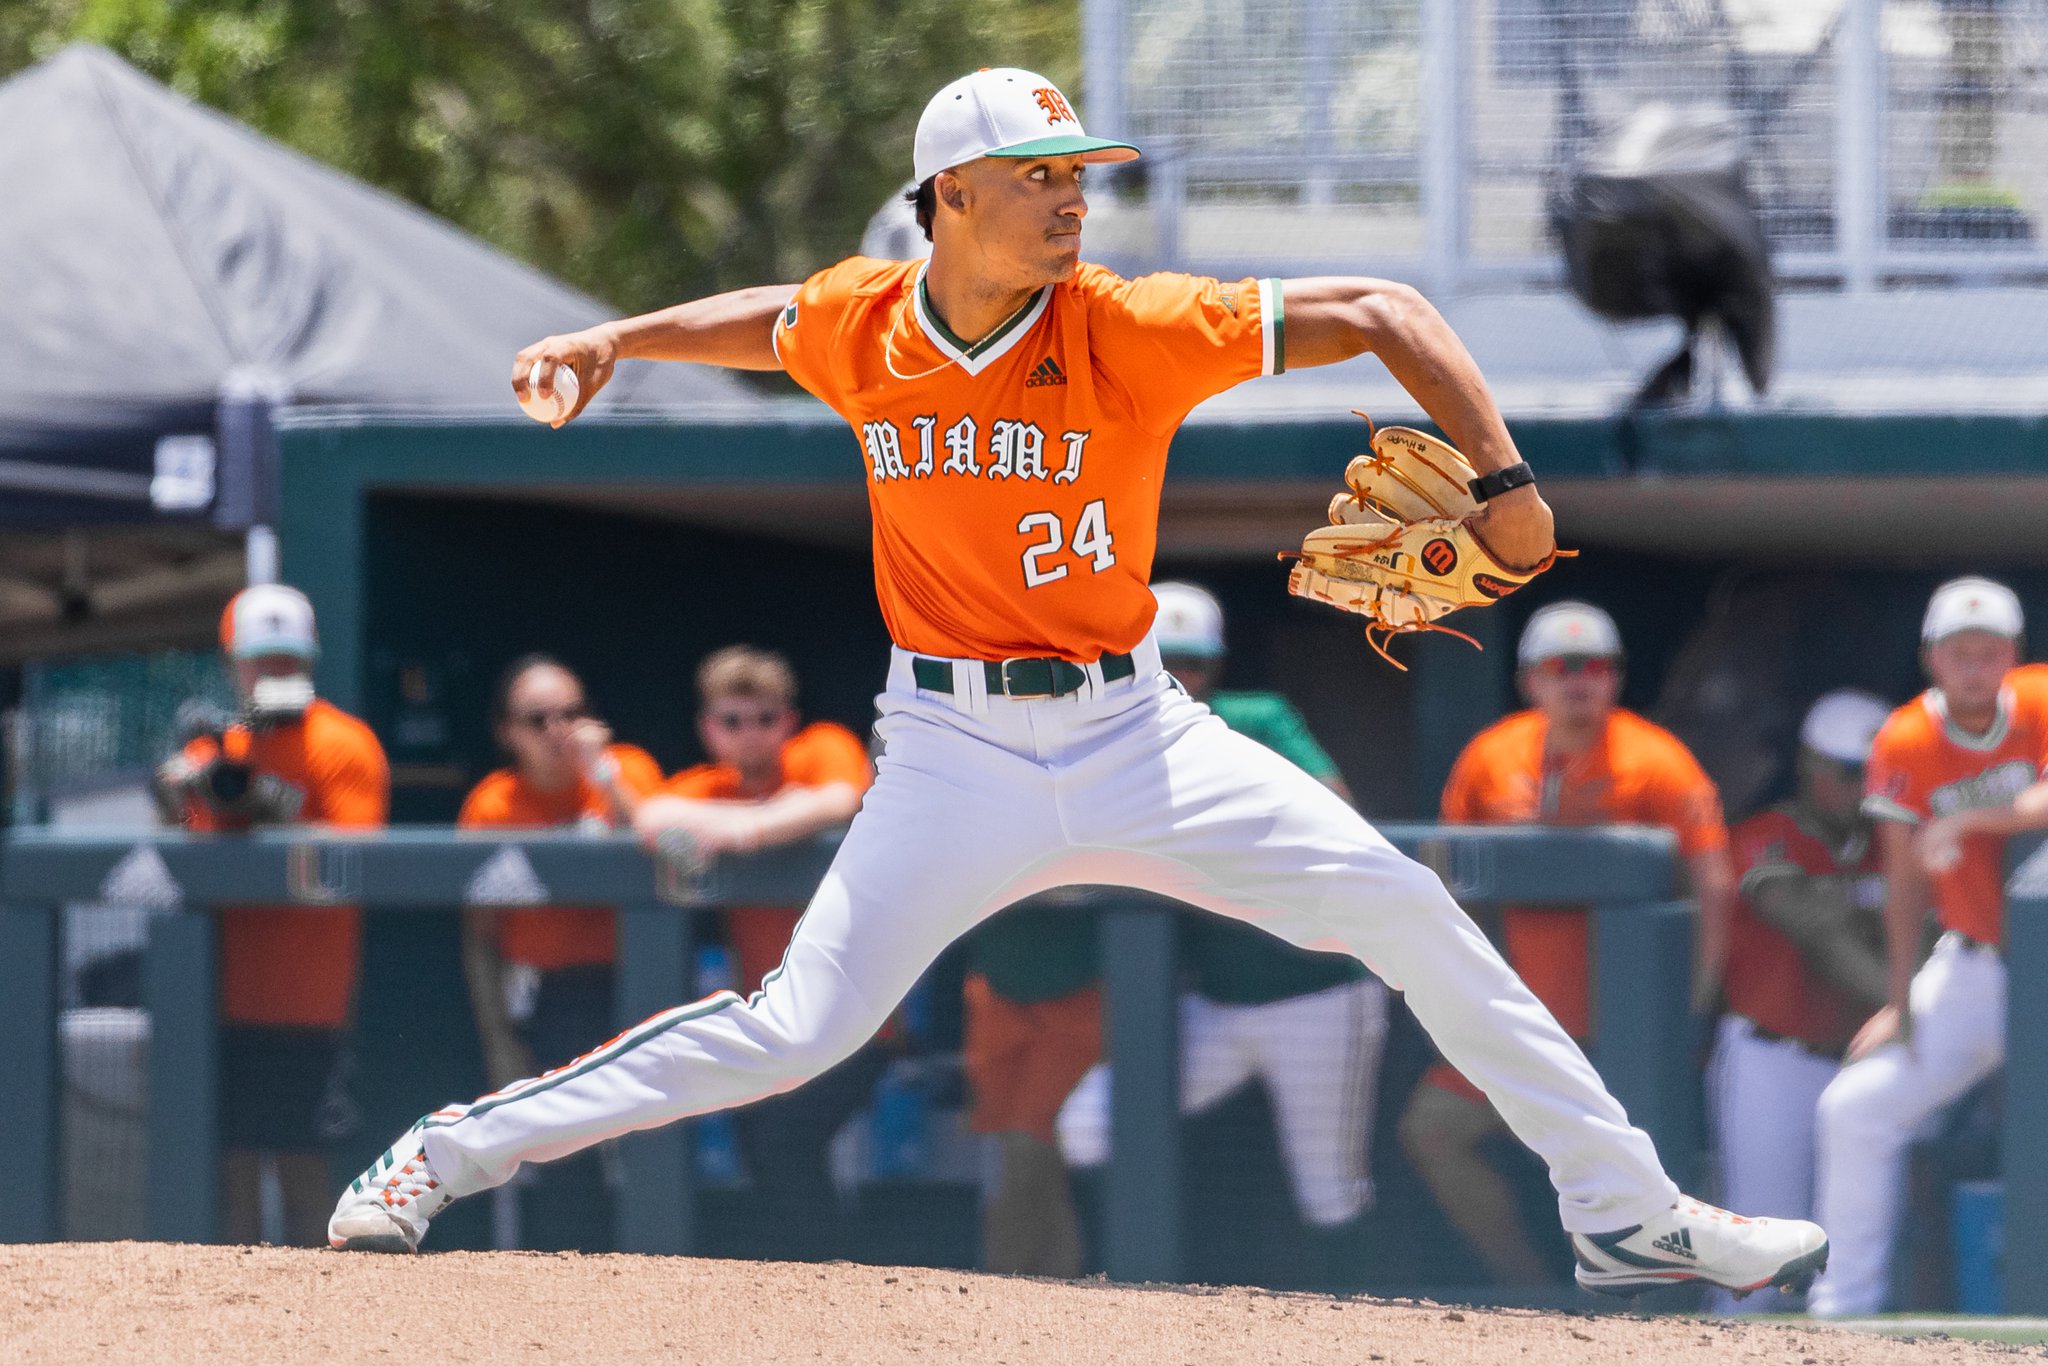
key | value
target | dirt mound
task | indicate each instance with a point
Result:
(157, 1303)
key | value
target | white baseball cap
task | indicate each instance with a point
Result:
(1002, 111)
(1190, 621)
(1568, 628)
(1843, 723)
(268, 619)
(1972, 604)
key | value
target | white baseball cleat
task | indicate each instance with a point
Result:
(386, 1209)
(1693, 1241)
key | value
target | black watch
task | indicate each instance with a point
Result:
(1500, 481)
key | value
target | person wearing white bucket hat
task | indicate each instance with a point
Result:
(1805, 965)
(288, 974)
(1014, 407)
(1952, 774)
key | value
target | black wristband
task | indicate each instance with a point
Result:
(1500, 481)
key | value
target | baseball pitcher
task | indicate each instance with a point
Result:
(1014, 407)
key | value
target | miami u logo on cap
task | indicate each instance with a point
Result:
(1055, 105)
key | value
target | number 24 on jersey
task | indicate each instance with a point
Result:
(1092, 543)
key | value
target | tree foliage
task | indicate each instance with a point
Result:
(644, 150)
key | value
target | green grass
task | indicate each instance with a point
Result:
(2012, 1330)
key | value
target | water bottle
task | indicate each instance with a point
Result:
(901, 1124)
(716, 1138)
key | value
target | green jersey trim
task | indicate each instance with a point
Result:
(974, 357)
(645, 1032)
(1272, 327)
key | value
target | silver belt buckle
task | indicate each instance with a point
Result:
(1003, 669)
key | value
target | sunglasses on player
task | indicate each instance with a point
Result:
(540, 719)
(737, 721)
(1567, 666)
(1843, 769)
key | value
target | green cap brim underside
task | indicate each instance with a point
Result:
(1091, 149)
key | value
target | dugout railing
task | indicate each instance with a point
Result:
(1642, 936)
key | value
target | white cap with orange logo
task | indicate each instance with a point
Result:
(1843, 725)
(1190, 620)
(268, 619)
(1568, 628)
(1972, 604)
(1004, 111)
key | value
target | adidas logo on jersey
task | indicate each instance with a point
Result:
(1045, 372)
(1678, 1244)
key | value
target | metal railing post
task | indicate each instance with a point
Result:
(1141, 1236)
(1167, 193)
(2026, 1097)
(656, 1205)
(1642, 1024)
(1445, 165)
(1859, 143)
(183, 1162)
(1103, 51)
(1319, 80)
(31, 1083)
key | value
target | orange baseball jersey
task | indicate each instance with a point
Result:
(1921, 767)
(289, 965)
(549, 937)
(820, 755)
(1638, 773)
(1014, 482)
(1767, 979)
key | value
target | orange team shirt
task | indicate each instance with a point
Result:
(819, 755)
(297, 965)
(1014, 483)
(549, 937)
(1638, 773)
(1768, 980)
(1921, 767)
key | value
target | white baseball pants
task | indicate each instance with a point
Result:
(979, 801)
(1875, 1108)
(1319, 1056)
(1763, 1094)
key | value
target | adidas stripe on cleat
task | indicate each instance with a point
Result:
(387, 1208)
(1694, 1241)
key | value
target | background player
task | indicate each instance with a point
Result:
(1014, 408)
(287, 973)
(773, 780)
(564, 772)
(1033, 1028)
(1805, 967)
(1575, 757)
(1952, 773)
(1311, 1027)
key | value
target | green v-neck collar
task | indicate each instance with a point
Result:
(976, 356)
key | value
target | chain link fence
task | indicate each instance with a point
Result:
(1884, 138)
(87, 724)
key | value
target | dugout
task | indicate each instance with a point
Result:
(1752, 559)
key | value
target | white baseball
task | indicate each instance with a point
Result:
(550, 409)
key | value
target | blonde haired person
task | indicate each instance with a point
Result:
(773, 780)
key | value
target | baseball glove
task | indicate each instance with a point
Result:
(1399, 550)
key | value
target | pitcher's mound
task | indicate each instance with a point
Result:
(159, 1303)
